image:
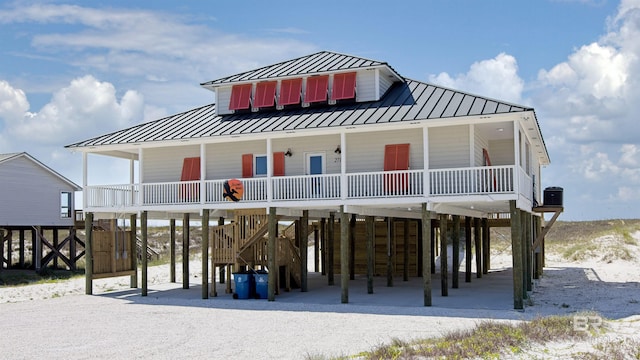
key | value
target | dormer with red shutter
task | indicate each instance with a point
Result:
(321, 79)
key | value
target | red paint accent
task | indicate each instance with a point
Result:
(240, 97)
(316, 89)
(344, 86)
(190, 169)
(247, 165)
(396, 157)
(265, 94)
(278, 164)
(290, 90)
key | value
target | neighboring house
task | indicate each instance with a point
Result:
(332, 134)
(33, 196)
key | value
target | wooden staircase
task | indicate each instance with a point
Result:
(111, 225)
(244, 242)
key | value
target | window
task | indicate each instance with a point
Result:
(344, 86)
(260, 165)
(290, 92)
(240, 97)
(65, 204)
(256, 165)
(316, 89)
(265, 94)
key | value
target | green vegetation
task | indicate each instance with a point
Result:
(29, 277)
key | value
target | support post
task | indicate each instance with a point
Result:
(55, 246)
(455, 258)
(72, 247)
(21, 255)
(88, 253)
(2, 252)
(352, 247)
(38, 249)
(323, 245)
(478, 245)
(271, 254)
(426, 256)
(467, 249)
(344, 254)
(405, 259)
(538, 252)
(172, 250)
(420, 253)
(516, 252)
(433, 246)
(304, 247)
(316, 249)
(486, 246)
(529, 254)
(145, 262)
(185, 251)
(133, 253)
(390, 250)
(369, 229)
(444, 268)
(330, 248)
(205, 255)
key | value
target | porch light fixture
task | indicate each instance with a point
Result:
(338, 150)
(288, 153)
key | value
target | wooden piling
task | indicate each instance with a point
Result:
(205, 254)
(323, 245)
(352, 247)
(185, 251)
(528, 251)
(144, 234)
(304, 244)
(88, 253)
(344, 254)
(172, 250)
(516, 252)
(390, 250)
(455, 258)
(370, 234)
(485, 246)
(433, 247)
(405, 260)
(426, 256)
(444, 268)
(478, 246)
(133, 219)
(2, 252)
(271, 254)
(316, 249)
(467, 249)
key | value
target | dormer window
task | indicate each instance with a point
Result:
(344, 86)
(316, 89)
(240, 97)
(265, 95)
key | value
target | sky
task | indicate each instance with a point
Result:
(72, 70)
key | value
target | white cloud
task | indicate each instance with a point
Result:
(497, 78)
(13, 102)
(85, 106)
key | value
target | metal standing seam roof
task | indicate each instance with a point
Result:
(320, 62)
(404, 101)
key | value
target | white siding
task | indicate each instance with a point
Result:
(366, 150)
(30, 195)
(479, 143)
(366, 85)
(295, 165)
(223, 97)
(224, 161)
(385, 84)
(501, 152)
(165, 164)
(449, 147)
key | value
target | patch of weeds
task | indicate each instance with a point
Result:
(619, 349)
(578, 252)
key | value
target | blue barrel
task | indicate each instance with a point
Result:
(243, 285)
(261, 279)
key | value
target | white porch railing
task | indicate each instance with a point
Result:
(380, 184)
(385, 184)
(306, 187)
(472, 181)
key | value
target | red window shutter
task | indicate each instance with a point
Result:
(290, 92)
(344, 86)
(316, 89)
(190, 169)
(389, 157)
(240, 97)
(247, 165)
(278, 164)
(402, 157)
(396, 157)
(265, 94)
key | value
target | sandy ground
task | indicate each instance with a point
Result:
(60, 322)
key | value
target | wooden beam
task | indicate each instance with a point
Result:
(538, 253)
(205, 255)
(323, 245)
(390, 250)
(271, 254)
(405, 243)
(21, 254)
(2, 251)
(344, 255)
(420, 261)
(455, 259)
(433, 247)
(88, 271)
(426, 256)
(370, 234)
(444, 268)
(144, 234)
(467, 249)
(316, 249)
(72, 247)
(133, 253)
(172, 250)
(304, 247)
(547, 227)
(330, 248)
(486, 246)
(516, 253)
(528, 261)
(38, 249)
(478, 246)
(185, 251)
(352, 247)
(55, 246)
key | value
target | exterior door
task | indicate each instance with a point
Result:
(315, 166)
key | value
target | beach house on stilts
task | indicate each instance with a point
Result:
(342, 146)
